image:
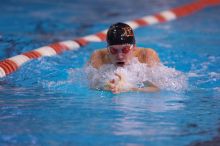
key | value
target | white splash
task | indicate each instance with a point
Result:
(136, 73)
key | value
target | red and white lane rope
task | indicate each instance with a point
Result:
(10, 65)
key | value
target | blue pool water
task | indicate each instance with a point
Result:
(48, 100)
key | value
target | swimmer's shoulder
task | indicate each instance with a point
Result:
(146, 50)
(99, 57)
(147, 55)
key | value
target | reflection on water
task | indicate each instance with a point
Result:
(157, 102)
(138, 116)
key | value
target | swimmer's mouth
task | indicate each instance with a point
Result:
(120, 63)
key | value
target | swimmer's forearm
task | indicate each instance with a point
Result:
(147, 89)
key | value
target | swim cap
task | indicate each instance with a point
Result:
(120, 33)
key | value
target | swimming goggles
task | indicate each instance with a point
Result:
(125, 49)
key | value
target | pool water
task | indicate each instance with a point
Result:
(48, 101)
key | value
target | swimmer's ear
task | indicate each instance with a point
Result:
(107, 50)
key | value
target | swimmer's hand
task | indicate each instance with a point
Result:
(118, 84)
(111, 86)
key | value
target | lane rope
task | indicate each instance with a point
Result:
(11, 64)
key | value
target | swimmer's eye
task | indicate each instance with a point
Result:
(113, 50)
(126, 50)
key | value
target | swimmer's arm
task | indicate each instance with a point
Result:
(148, 87)
(151, 57)
(96, 59)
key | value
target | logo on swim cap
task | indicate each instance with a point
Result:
(120, 33)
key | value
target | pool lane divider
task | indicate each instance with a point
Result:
(10, 65)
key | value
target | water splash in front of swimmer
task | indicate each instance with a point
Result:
(205, 73)
(137, 73)
(75, 82)
(52, 75)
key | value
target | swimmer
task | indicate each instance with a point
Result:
(121, 49)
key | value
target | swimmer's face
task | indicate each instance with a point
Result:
(121, 55)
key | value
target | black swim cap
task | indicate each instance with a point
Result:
(120, 33)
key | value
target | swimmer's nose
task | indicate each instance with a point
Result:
(120, 56)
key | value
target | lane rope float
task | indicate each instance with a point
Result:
(11, 64)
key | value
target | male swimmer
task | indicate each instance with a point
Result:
(121, 49)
